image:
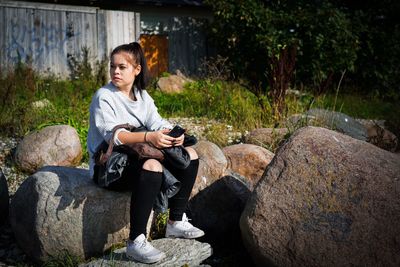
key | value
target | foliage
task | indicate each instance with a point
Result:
(264, 38)
(159, 225)
(378, 27)
(331, 36)
(216, 69)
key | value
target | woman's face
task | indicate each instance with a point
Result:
(122, 71)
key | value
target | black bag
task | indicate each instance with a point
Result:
(111, 160)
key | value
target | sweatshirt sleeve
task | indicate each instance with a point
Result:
(154, 121)
(104, 116)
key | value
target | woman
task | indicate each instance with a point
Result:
(125, 100)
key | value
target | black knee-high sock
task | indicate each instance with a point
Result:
(187, 177)
(145, 190)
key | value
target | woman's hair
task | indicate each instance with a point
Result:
(137, 58)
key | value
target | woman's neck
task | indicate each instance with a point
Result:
(128, 92)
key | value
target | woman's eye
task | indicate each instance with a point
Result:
(122, 67)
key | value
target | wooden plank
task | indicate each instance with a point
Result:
(46, 6)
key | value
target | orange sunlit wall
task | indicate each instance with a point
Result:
(156, 52)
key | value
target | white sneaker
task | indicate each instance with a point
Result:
(141, 250)
(183, 229)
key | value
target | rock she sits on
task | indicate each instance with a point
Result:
(57, 145)
(326, 199)
(62, 208)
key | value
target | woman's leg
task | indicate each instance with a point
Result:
(144, 192)
(187, 177)
(178, 225)
(145, 183)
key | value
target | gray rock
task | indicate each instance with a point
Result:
(339, 122)
(179, 252)
(4, 198)
(217, 208)
(54, 145)
(212, 165)
(61, 208)
(171, 84)
(325, 200)
(248, 160)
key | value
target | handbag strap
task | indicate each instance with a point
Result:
(104, 157)
(140, 122)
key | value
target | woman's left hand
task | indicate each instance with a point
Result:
(178, 141)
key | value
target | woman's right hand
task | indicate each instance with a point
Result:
(160, 139)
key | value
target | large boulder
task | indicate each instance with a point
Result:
(4, 198)
(179, 252)
(326, 199)
(248, 160)
(212, 165)
(61, 208)
(57, 145)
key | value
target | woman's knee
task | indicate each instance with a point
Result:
(192, 153)
(152, 165)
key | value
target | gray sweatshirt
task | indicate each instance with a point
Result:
(110, 107)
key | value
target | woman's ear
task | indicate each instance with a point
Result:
(137, 70)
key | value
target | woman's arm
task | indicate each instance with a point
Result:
(159, 138)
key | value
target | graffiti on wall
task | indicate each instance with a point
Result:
(36, 41)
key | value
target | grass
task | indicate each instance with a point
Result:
(227, 103)
(224, 101)
(363, 107)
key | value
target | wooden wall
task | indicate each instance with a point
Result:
(46, 34)
(187, 42)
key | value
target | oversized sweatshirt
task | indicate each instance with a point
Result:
(110, 107)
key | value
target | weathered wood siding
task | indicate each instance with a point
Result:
(187, 46)
(187, 42)
(47, 34)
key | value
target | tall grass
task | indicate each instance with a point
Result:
(221, 101)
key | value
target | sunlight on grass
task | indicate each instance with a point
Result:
(225, 103)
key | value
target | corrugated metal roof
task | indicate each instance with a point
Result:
(183, 3)
(165, 2)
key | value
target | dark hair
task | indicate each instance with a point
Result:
(135, 50)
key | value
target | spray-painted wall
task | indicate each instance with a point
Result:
(47, 34)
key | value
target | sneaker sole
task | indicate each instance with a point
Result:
(149, 261)
(181, 236)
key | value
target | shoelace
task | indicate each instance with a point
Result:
(185, 221)
(185, 218)
(144, 244)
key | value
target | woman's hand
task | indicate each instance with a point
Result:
(160, 139)
(179, 140)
